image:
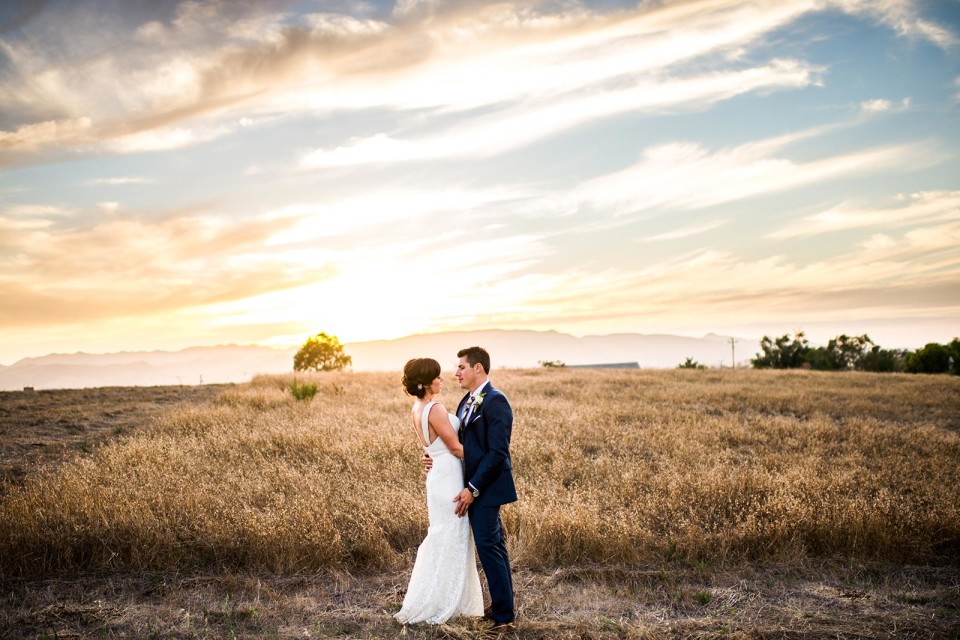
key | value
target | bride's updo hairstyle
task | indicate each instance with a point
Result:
(418, 374)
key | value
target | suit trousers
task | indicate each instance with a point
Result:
(489, 537)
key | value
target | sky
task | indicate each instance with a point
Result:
(182, 173)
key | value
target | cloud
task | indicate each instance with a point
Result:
(287, 262)
(686, 175)
(385, 208)
(685, 232)
(516, 127)
(875, 105)
(882, 105)
(51, 271)
(879, 241)
(165, 138)
(110, 74)
(30, 138)
(12, 225)
(177, 80)
(182, 80)
(456, 274)
(36, 210)
(82, 135)
(903, 16)
(914, 275)
(120, 180)
(912, 210)
(439, 81)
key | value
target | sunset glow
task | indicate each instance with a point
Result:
(197, 173)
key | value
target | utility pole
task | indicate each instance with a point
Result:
(733, 355)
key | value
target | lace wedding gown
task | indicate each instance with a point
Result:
(444, 582)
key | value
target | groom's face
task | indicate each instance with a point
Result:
(466, 375)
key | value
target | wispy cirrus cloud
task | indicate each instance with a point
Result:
(37, 136)
(12, 226)
(522, 125)
(49, 270)
(909, 210)
(166, 83)
(686, 175)
(40, 210)
(166, 138)
(119, 180)
(685, 231)
(913, 275)
(882, 105)
(904, 17)
(385, 208)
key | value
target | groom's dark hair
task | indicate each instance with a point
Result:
(475, 355)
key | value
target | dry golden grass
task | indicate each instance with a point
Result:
(55, 424)
(614, 468)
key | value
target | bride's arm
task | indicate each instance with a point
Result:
(440, 421)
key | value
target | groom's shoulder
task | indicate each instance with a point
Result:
(496, 393)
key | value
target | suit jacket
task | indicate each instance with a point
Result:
(486, 448)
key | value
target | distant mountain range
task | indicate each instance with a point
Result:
(231, 363)
(195, 365)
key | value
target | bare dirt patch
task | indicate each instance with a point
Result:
(828, 600)
(46, 426)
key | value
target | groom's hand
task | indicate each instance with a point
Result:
(464, 499)
(427, 463)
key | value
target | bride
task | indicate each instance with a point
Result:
(444, 582)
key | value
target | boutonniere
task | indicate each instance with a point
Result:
(479, 400)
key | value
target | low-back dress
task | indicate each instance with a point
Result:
(444, 582)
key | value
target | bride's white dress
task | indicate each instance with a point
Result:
(444, 582)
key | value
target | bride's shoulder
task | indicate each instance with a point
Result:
(437, 407)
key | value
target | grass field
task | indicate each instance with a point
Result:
(653, 504)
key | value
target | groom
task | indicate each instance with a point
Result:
(486, 421)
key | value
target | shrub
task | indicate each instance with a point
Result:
(303, 390)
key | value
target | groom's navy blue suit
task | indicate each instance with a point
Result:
(486, 460)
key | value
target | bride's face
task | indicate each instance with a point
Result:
(436, 386)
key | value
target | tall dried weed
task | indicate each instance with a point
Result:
(613, 467)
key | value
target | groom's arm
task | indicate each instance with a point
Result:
(499, 419)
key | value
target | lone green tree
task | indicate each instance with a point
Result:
(321, 353)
